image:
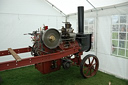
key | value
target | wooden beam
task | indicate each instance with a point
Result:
(17, 58)
(17, 51)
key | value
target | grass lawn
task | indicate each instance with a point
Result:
(30, 76)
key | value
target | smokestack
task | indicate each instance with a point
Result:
(80, 20)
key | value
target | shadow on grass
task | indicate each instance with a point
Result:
(30, 76)
(126, 82)
(0, 80)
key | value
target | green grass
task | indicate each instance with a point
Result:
(126, 53)
(127, 34)
(127, 44)
(114, 35)
(115, 51)
(115, 43)
(30, 76)
(121, 52)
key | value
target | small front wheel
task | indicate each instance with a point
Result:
(89, 66)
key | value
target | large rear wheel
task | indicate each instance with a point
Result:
(89, 66)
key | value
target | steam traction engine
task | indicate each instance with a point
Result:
(53, 49)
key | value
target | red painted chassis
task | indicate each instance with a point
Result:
(38, 59)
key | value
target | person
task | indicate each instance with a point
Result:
(123, 28)
(113, 49)
(122, 36)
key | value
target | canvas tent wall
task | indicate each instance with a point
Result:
(109, 63)
(22, 16)
(18, 17)
(69, 6)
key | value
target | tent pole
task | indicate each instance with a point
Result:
(96, 34)
(55, 7)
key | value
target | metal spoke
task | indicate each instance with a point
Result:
(89, 60)
(92, 61)
(85, 65)
(90, 72)
(87, 71)
(94, 69)
(93, 64)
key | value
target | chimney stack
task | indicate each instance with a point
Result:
(80, 20)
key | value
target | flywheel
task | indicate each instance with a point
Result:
(51, 38)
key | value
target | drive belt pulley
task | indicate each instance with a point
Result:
(51, 38)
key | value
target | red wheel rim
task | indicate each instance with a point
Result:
(90, 67)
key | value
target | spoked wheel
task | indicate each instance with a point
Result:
(89, 66)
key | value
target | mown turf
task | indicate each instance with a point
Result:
(30, 76)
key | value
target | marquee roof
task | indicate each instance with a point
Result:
(70, 6)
